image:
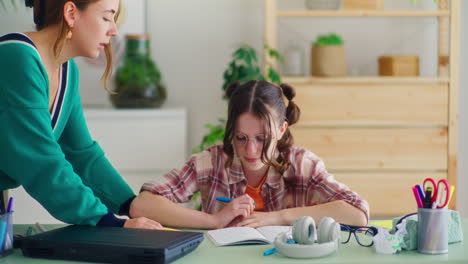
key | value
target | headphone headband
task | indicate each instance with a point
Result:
(328, 239)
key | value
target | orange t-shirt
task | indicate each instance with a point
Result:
(256, 194)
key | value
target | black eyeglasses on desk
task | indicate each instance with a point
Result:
(363, 234)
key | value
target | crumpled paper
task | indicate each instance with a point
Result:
(387, 243)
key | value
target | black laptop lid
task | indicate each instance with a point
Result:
(111, 244)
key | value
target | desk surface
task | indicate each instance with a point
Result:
(348, 253)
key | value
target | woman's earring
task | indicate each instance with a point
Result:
(70, 33)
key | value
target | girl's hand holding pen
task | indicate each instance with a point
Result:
(242, 206)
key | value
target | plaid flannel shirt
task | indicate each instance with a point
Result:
(305, 183)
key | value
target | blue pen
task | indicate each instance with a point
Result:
(225, 199)
(420, 191)
(273, 250)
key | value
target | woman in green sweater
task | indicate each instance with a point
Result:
(45, 145)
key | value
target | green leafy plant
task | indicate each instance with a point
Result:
(215, 135)
(329, 39)
(138, 81)
(139, 71)
(243, 67)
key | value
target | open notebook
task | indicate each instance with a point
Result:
(246, 235)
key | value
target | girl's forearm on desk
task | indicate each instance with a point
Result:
(341, 211)
(168, 213)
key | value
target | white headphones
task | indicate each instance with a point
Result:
(312, 242)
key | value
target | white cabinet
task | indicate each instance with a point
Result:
(141, 144)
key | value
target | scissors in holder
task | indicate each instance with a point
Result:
(441, 192)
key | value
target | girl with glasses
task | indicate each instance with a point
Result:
(269, 181)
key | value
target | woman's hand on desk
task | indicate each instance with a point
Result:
(242, 206)
(142, 223)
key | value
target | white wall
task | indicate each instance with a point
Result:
(192, 42)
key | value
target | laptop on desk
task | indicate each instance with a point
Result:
(111, 244)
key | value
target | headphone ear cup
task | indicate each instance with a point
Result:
(304, 231)
(328, 230)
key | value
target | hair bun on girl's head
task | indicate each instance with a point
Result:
(288, 91)
(29, 3)
(231, 88)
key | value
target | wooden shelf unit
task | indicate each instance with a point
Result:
(381, 135)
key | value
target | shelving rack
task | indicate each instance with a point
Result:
(382, 135)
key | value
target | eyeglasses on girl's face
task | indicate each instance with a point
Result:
(363, 234)
(242, 140)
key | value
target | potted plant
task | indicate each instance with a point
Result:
(214, 136)
(138, 81)
(244, 66)
(328, 56)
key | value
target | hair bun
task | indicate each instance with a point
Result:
(29, 3)
(288, 91)
(231, 88)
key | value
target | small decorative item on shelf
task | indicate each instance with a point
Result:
(323, 4)
(399, 65)
(363, 4)
(294, 60)
(328, 56)
(138, 81)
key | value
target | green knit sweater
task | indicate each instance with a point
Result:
(51, 153)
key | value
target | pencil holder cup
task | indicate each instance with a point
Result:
(433, 231)
(6, 234)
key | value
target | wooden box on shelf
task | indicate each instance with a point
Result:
(399, 65)
(362, 4)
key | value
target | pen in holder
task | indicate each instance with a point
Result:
(6, 234)
(433, 230)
